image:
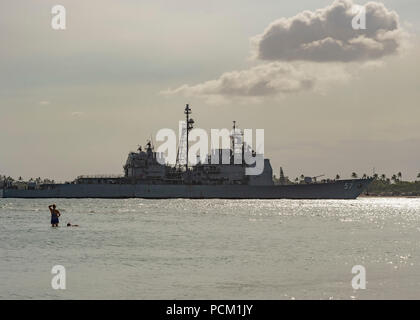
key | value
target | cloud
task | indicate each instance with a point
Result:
(310, 51)
(77, 114)
(269, 79)
(327, 35)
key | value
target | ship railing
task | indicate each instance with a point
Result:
(101, 176)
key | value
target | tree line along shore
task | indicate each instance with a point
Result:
(383, 186)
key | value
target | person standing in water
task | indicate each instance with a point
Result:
(55, 214)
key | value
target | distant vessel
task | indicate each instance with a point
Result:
(146, 177)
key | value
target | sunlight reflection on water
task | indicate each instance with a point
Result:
(208, 249)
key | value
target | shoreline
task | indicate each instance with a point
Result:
(386, 196)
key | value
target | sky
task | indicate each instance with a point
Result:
(331, 99)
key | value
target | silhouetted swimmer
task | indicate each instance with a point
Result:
(72, 225)
(55, 214)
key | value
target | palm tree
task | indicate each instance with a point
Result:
(375, 176)
(383, 176)
(296, 179)
(354, 175)
(399, 174)
(394, 178)
(337, 177)
(364, 176)
(8, 180)
(302, 177)
(418, 176)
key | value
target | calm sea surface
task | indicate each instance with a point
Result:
(211, 249)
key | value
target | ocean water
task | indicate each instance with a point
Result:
(211, 249)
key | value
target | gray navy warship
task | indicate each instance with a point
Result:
(146, 177)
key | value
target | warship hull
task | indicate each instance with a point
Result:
(341, 189)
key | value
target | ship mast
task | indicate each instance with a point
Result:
(233, 137)
(240, 137)
(190, 125)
